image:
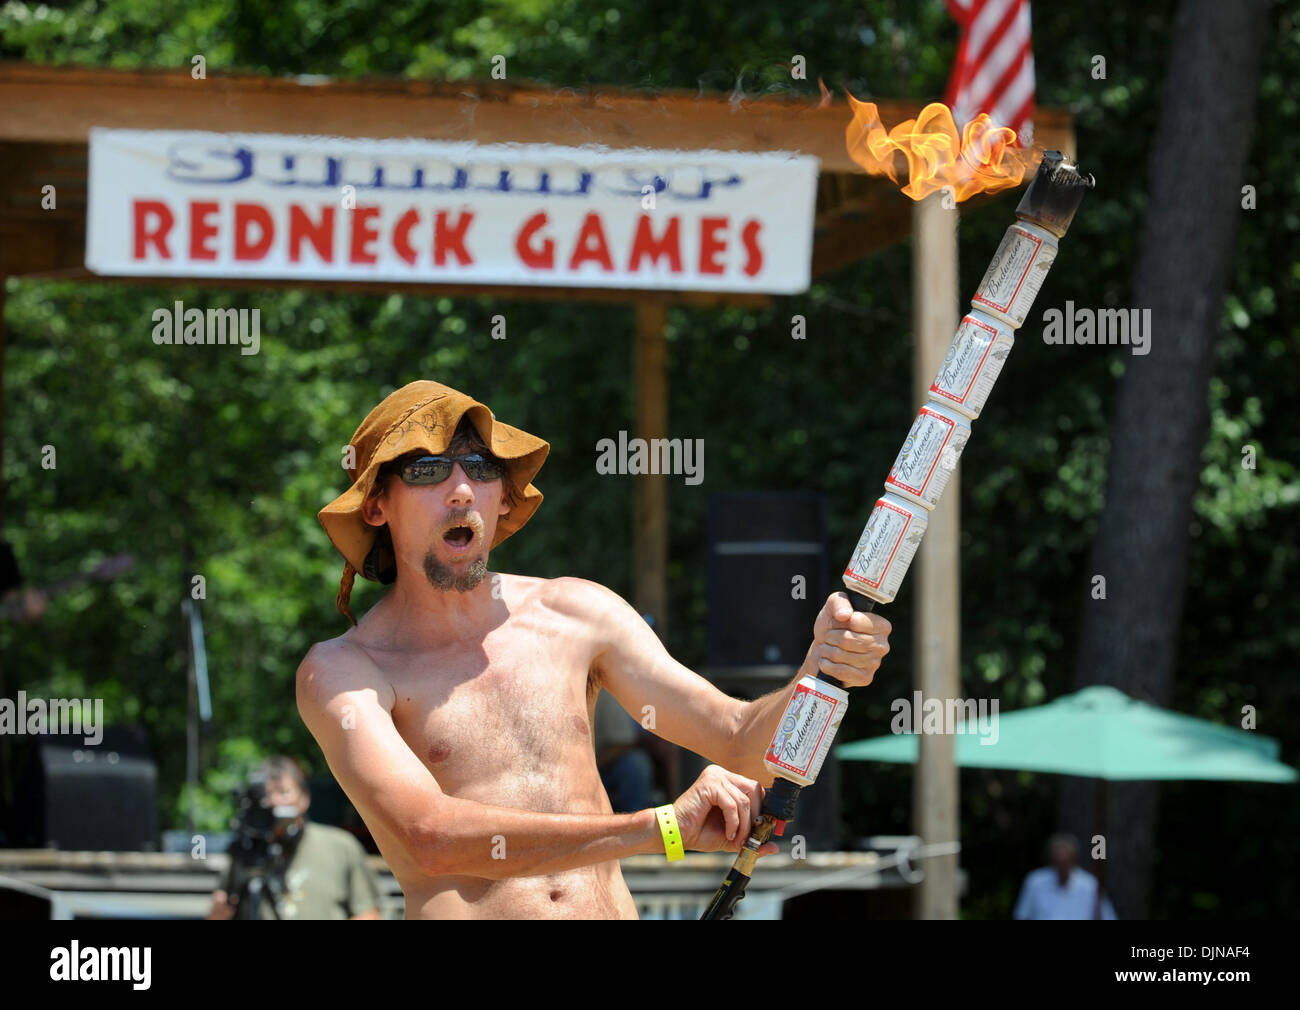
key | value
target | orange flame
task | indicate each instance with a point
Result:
(983, 158)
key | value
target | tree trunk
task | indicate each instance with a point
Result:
(1130, 638)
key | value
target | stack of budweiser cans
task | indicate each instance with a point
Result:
(959, 391)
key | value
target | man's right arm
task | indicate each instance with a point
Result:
(347, 704)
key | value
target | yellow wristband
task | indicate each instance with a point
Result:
(668, 828)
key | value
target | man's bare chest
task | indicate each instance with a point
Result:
(497, 721)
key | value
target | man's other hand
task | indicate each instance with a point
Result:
(718, 811)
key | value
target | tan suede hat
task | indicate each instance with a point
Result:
(420, 416)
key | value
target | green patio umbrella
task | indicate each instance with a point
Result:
(1099, 733)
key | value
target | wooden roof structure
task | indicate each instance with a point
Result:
(47, 112)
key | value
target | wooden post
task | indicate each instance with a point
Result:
(650, 511)
(6, 750)
(3, 281)
(937, 569)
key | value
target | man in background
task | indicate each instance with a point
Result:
(1061, 890)
(325, 874)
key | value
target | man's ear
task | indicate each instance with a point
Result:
(373, 512)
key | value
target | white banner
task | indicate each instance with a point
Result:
(193, 204)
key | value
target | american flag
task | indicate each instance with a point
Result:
(994, 69)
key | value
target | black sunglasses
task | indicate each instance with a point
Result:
(423, 470)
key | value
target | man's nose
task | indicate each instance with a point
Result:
(460, 490)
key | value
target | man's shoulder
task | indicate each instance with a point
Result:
(333, 653)
(570, 594)
(336, 664)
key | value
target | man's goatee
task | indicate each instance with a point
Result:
(441, 576)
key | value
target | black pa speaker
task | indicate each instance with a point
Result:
(767, 577)
(767, 582)
(77, 797)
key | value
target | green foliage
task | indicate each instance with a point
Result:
(210, 804)
(222, 459)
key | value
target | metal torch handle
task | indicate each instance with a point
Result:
(778, 805)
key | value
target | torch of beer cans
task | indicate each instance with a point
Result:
(943, 425)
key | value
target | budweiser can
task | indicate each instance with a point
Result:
(807, 729)
(886, 548)
(929, 454)
(1017, 271)
(973, 363)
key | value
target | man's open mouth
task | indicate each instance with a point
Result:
(458, 536)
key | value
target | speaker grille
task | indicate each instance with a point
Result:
(101, 798)
(760, 543)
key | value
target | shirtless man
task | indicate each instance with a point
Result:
(457, 714)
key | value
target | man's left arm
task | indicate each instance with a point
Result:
(681, 706)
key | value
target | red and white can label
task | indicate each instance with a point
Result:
(886, 548)
(807, 729)
(929, 455)
(1018, 270)
(973, 363)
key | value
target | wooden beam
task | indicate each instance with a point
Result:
(46, 113)
(858, 215)
(938, 570)
(650, 509)
(6, 746)
(37, 247)
(858, 227)
(29, 168)
(61, 104)
(534, 293)
(3, 294)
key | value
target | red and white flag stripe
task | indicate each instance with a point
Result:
(994, 69)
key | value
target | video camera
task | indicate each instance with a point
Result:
(265, 837)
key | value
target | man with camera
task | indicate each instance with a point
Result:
(283, 866)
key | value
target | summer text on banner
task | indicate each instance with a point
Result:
(194, 204)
